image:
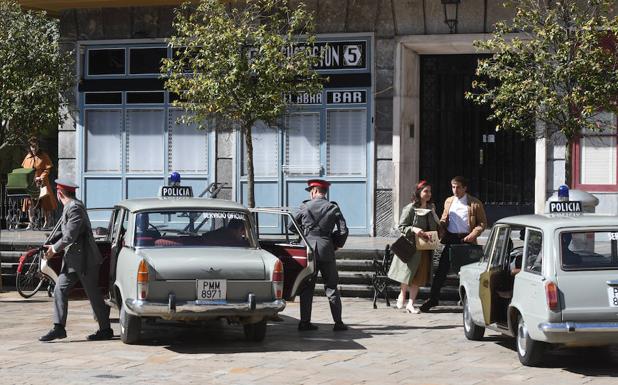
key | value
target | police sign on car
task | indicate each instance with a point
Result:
(565, 207)
(174, 189)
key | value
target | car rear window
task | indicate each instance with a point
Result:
(589, 250)
(193, 228)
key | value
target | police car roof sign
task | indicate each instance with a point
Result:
(176, 192)
(558, 207)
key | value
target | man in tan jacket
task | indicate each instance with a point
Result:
(462, 221)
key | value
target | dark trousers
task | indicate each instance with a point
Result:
(65, 282)
(445, 264)
(328, 269)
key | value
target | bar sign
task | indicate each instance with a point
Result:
(346, 97)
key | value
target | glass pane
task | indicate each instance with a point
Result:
(497, 257)
(302, 144)
(345, 142)
(106, 61)
(145, 97)
(265, 151)
(146, 60)
(104, 98)
(145, 140)
(598, 160)
(103, 130)
(589, 250)
(188, 146)
(534, 252)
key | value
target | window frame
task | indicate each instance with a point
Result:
(577, 162)
(524, 262)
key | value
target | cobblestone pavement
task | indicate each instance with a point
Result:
(384, 346)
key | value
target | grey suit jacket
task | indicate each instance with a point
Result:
(81, 253)
(318, 219)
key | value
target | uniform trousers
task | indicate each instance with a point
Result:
(66, 281)
(328, 269)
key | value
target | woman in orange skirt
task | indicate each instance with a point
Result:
(42, 164)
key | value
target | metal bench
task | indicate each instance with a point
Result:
(380, 280)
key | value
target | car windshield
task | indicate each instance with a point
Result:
(583, 250)
(193, 228)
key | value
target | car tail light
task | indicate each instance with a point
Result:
(142, 280)
(277, 279)
(551, 293)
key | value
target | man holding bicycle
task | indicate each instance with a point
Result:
(81, 262)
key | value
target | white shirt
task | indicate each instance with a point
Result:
(458, 216)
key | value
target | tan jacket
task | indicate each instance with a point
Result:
(476, 215)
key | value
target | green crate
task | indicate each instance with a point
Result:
(21, 181)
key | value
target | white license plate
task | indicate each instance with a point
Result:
(612, 294)
(211, 289)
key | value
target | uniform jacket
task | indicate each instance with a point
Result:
(81, 253)
(476, 215)
(318, 218)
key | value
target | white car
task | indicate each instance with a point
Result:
(545, 280)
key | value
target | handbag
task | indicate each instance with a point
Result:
(403, 248)
(430, 244)
(43, 192)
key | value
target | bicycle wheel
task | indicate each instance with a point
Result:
(28, 281)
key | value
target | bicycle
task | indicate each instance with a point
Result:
(29, 278)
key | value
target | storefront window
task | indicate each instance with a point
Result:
(302, 144)
(106, 61)
(345, 142)
(597, 155)
(265, 151)
(145, 140)
(188, 146)
(103, 138)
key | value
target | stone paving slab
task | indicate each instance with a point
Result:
(384, 346)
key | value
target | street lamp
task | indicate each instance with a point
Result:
(451, 9)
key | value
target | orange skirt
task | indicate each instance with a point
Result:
(423, 272)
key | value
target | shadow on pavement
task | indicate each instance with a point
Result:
(592, 361)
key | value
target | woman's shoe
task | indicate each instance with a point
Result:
(411, 309)
(400, 300)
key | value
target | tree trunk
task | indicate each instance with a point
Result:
(250, 174)
(568, 163)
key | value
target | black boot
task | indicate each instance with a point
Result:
(340, 326)
(306, 326)
(100, 335)
(428, 304)
(57, 332)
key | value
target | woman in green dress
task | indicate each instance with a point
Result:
(416, 219)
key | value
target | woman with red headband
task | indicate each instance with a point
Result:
(416, 219)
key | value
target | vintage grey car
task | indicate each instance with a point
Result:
(545, 280)
(193, 259)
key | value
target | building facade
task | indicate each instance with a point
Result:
(393, 113)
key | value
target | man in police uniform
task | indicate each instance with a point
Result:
(318, 218)
(81, 262)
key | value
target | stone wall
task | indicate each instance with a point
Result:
(386, 19)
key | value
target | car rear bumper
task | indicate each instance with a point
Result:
(575, 327)
(195, 310)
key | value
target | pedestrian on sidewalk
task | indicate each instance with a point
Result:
(81, 262)
(318, 218)
(416, 219)
(42, 165)
(463, 221)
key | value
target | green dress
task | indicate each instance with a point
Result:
(411, 217)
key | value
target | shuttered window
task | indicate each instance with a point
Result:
(597, 155)
(188, 146)
(103, 140)
(144, 133)
(345, 142)
(302, 144)
(265, 151)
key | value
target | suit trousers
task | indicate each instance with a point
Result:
(66, 280)
(445, 264)
(328, 269)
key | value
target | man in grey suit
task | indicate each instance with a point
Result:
(81, 262)
(318, 218)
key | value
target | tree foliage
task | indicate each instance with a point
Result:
(238, 63)
(560, 69)
(33, 74)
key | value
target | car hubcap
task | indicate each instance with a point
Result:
(467, 317)
(522, 335)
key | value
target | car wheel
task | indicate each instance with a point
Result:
(471, 330)
(130, 327)
(529, 351)
(255, 331)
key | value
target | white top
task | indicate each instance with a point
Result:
(458, 216)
